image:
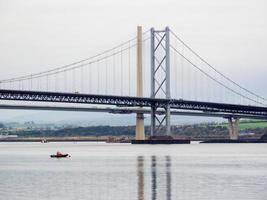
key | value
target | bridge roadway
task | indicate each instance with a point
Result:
(202, 108)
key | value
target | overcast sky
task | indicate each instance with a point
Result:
(41, 34)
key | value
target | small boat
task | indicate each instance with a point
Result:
(59, 155)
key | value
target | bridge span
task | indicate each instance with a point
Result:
(59, 97)
(177, 107)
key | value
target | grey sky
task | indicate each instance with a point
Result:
(38, 35)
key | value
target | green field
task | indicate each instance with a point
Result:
(253, 125)
(248, 124)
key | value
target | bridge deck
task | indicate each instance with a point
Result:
(20, 95)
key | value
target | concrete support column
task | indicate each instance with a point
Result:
(140, 129)
(233, 128)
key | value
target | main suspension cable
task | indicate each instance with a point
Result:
(220, 83)
(224, 76)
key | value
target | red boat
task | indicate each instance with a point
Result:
(60, 155)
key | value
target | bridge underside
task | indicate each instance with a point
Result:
(122, 110)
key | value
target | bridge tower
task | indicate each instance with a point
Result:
(160, 78)
(140, 130)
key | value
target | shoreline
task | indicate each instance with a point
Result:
(45, 140)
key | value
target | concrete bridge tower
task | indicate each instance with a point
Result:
(140, 130)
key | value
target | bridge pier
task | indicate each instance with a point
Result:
(233, 125)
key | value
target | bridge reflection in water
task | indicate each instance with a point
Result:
(154, 179)
(140, 172)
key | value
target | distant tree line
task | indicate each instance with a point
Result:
(193, 131)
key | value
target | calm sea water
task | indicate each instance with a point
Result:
(139, 172)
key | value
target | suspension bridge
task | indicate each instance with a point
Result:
(154, 73)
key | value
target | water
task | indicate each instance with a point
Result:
(139, 172)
